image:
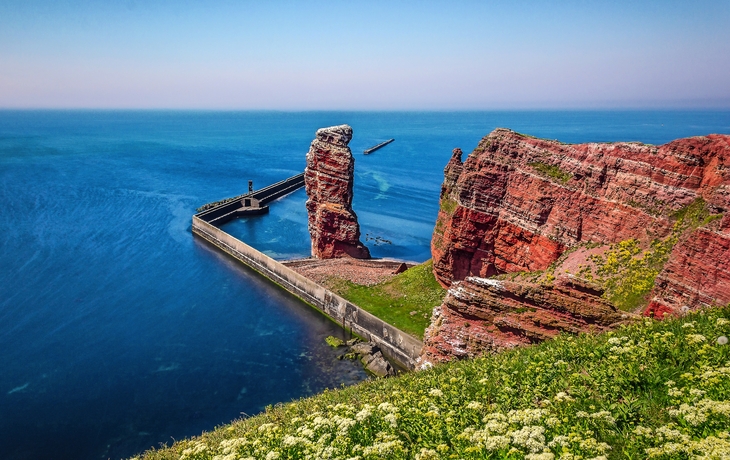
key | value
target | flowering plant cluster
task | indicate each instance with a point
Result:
(652, 389)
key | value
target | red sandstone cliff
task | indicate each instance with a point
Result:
(518, 203)
(328, 180)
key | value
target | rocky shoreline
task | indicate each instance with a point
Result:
(369, 354)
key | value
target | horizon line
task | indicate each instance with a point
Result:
(442, 110)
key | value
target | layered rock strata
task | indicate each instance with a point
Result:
(481, 315)
(328, 179)
(517, 203)
(697, 273)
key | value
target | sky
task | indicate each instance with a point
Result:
(364, 55)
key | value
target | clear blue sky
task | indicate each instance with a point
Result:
(364, 55)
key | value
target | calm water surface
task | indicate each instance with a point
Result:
(120, 331)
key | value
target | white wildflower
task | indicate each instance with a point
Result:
(427, 454)
(364, 413)
(526, 416)
(343, 423)
(492, 443)
(531, 437)
(474, 405)
(387, 407)
(563, 396)
(675, 392)
(722, 340)
(266, 427)
(541, 456)
(384, 448)
(592, 445)
(391, 419)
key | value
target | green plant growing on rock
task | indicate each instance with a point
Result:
(333, 341)
(448, 205)
(551, 171)
(627, 272)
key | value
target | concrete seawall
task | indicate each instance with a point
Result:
(395, 343)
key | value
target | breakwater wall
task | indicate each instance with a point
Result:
(395, 343)
(250, 203)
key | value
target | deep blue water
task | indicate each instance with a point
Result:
(120, 331)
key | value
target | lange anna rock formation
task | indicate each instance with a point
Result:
(535, 237)
(328, 179)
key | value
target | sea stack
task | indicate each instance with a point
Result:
(328, 179)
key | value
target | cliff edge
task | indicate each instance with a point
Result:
(535, 237)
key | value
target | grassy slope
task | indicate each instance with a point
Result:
(651, 389)
(396, 300)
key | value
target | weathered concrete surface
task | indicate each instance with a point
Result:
(328, 179)
(396, 344)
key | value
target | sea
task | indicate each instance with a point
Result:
(120, 331)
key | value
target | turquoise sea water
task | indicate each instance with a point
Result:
(120, 331)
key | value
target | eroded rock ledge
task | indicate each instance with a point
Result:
(328, 180)
(518, 203)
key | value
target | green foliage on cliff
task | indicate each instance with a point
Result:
(653, 389)
(405, 301)
(627, 272)
(448, 205)
(694, 215)
(551, 171)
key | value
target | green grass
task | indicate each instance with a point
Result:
(394, 301)
(652, 389)
(551, 171)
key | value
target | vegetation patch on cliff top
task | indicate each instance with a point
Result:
(653, 389)
(405, 301)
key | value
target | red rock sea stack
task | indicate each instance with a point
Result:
(328, 179)
(518, 203)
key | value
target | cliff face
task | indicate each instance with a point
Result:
(488, 315)
(697, 273)
(517, 204)
(328, 179)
